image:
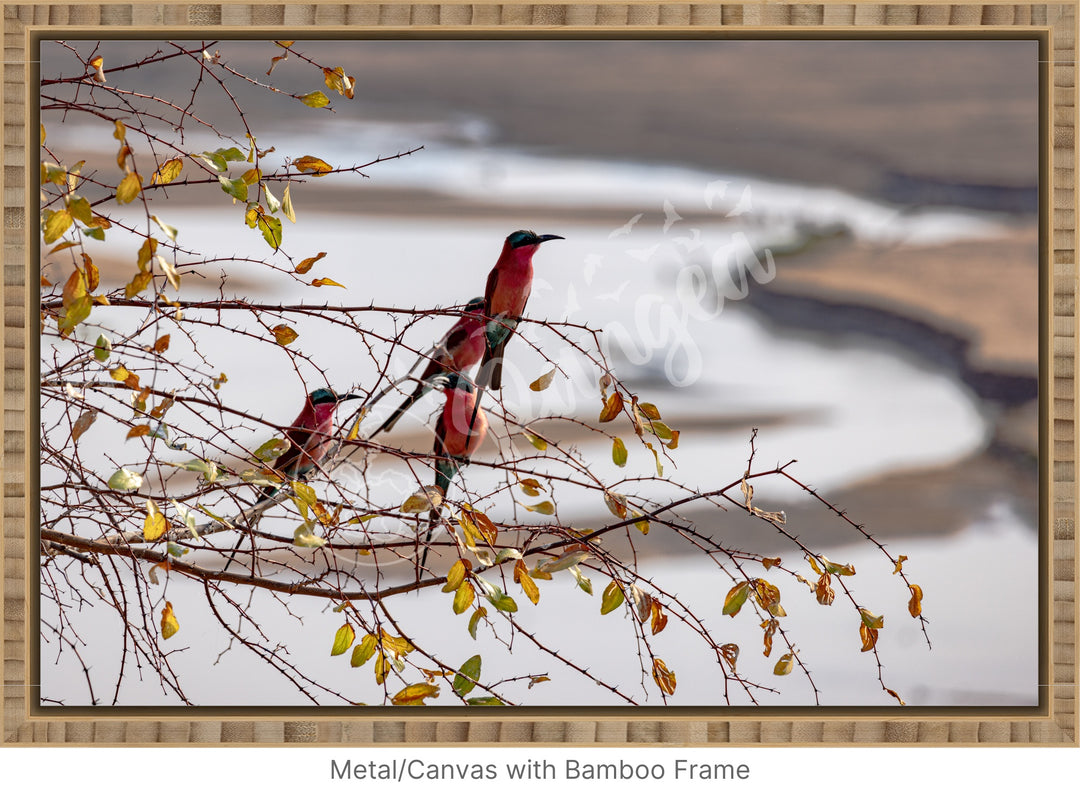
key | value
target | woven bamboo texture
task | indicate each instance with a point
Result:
(1055, 724)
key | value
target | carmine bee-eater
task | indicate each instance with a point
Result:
(508, 286)
(309, 438)
(459, 350)
(459, 431)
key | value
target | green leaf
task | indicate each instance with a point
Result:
(80, 210)
(271, 449)
(102, 348)
(467, 676)
(618, 452)
(500, 601)
(583, 581)
(612, 598)
(485, 701)
(271, 230)
(235, 187)
(343, 639)
(187, 516)
(735, 598)
(124, 479)
(76, 313)
(474, 619)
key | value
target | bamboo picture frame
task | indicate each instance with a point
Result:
(1053, 722)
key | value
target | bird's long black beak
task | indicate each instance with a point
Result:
(546, 237)
(348, 397)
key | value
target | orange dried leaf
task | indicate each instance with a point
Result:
(283, 334)
(306, 264)
(663, 676)
(915, 603)
(612, 407)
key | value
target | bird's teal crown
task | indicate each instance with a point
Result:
(519, 238)
(523, 237)
(324, 395)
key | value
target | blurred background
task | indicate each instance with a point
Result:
(834, 242)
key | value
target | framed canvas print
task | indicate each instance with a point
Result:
(709, 377)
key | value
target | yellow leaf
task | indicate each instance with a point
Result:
(146, 252)
(618, 452)
(364, 651)
(155, 524)
(915, 603)
(900, 564)
(129, 188)
(80, 209)
(139, 282)
(93, 275)
(784, 665)
(326, 282)
(56, 224)
(649, 411)
(673, 443)
(343, 639)
(463, 598)
(310, 164)
(427, 499)
(530, 487)
(306, 264)
(138, 431)
(283, 334)
(539, 443)
(99, 72)
(455, 576)
(119, 131)
(612, 407)
(521, 576)
(287, 207)
(170, 273)
(770, 562)
(415, 694)
(663, 676)
(169, 625)
(315, 99)
(543, 508)
(168, 172)
(543, 382)
(170, 232)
